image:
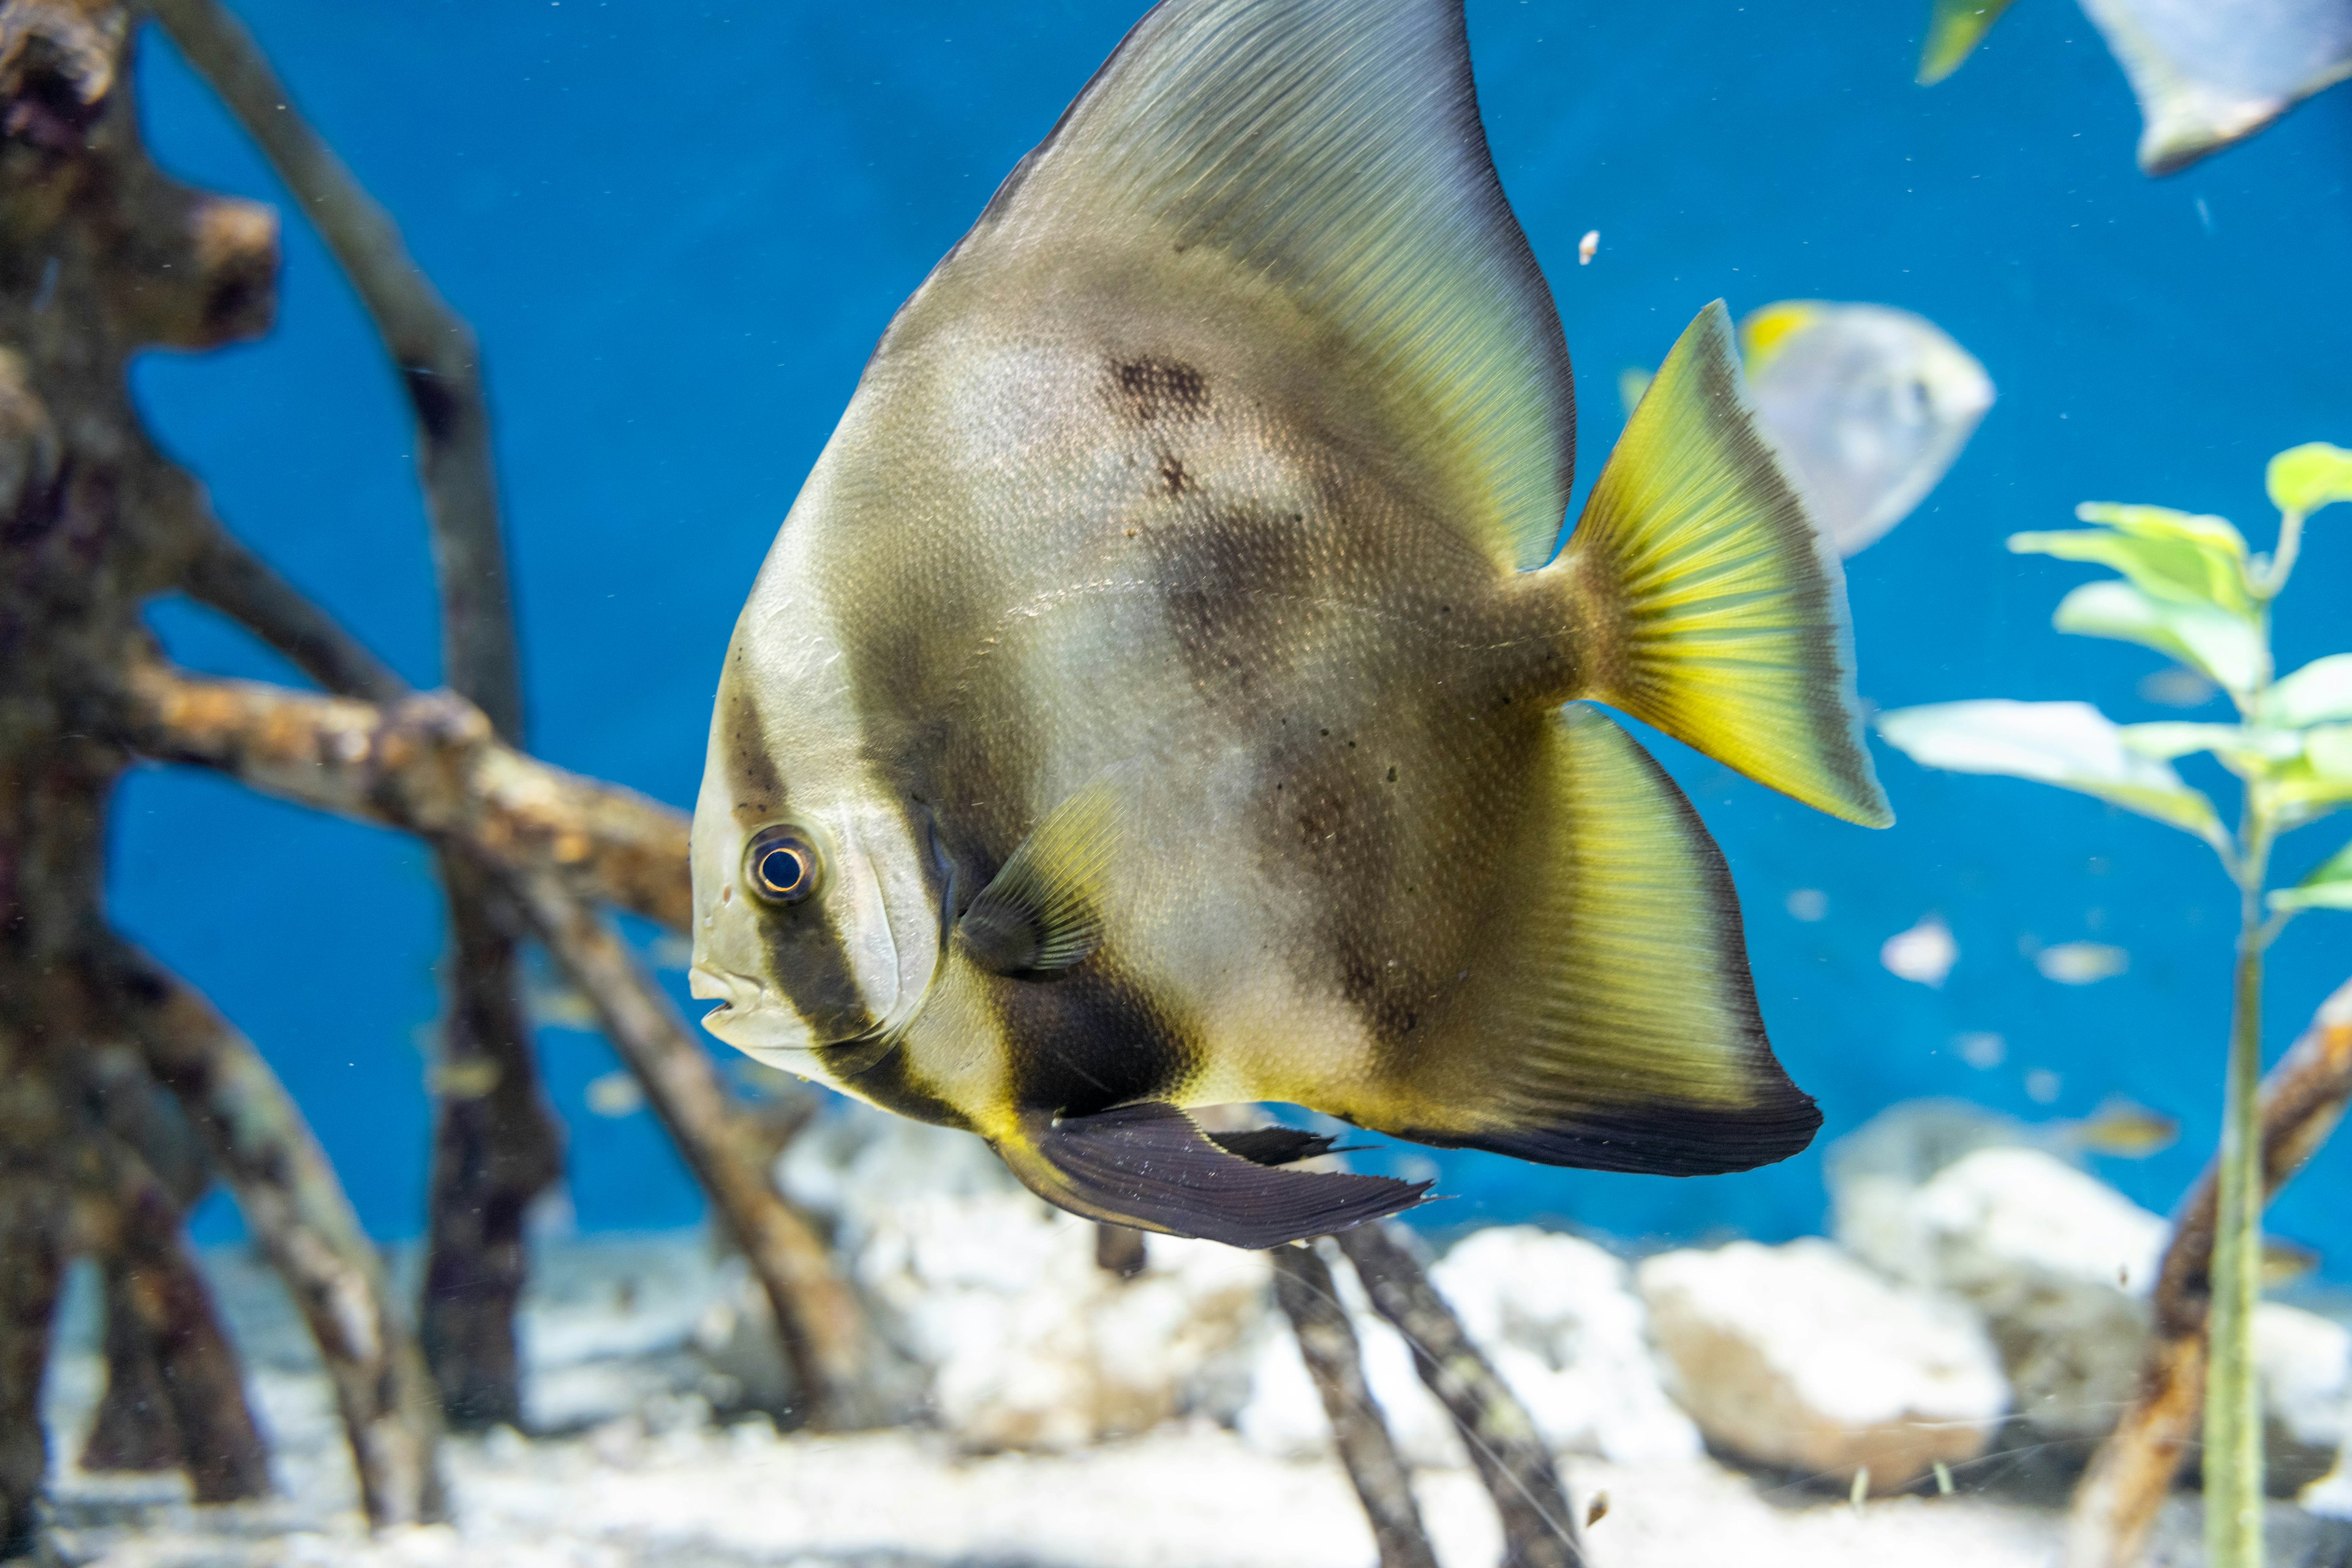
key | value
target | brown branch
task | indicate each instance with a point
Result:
(174, 1394)
(222, 573)
(493, 1152)
(433, 348)
(2115, 1504)
(823, 1331)
(428, 764)
(302, 1219)
(1539, 1530)
(496, 1146)
(31, 1274)
(1327, 1342)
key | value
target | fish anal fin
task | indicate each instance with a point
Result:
(1041, 912)
(1329, 150)
(1610, 1021)
(1705, 600)
(1153, 1167)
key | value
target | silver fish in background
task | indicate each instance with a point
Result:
(2210, 72)
(1868, 406)
(1166, 690)
(2207, 73)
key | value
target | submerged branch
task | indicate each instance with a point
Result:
(433, 348)
(1539, 1530)
(1327, 1343)
(428, 764)
(2115, 1505)
(823, 1328)
(32, 1272)
(174, 1393)
(222, 573)
(301, 1219)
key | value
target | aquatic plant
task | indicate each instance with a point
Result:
(2191, 589)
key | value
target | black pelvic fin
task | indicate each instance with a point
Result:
(1274, 1145)
(1153, 1167)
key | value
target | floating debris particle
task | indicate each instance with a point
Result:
(616, 1094)
(2081, 963)
(1943, 1478)
(1981, 1048)
(1925, 953)
(2177, 688)
(1587, 246)
(555, 1006)
(1597, 1510)
(468, 1079)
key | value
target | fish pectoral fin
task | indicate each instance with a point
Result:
(1153, 1167)
(1608, 1019)
(1043, 911)
(1707, 601)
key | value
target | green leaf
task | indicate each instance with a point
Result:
(2170, 555)
(2303, 478)
(2318, 692)
(2070, 744)
(2329, 886)
(2318, 782)
(2223, 647)
(1952, 31)
(2247, 749)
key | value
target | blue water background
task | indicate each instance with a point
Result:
(678, 230)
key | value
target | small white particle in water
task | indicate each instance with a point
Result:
(1925, 953)
(2081, 963)
(1809, 904)
(2042, 1085)
(615, 1094)
(1586, 246)
(1981, 1049)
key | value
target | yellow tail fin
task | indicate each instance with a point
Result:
(1707, 604)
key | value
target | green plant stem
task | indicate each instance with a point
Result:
(2233, 1424)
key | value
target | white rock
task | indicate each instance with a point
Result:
(996, 1297)
(2059, 1263)
(2305, 1362)
(1799, 1357)
(1557, 1318)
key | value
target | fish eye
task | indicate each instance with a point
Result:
(780, 865)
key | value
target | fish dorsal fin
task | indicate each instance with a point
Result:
(1043, 910)
(1331, 151)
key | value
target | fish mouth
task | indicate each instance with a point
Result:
(747, 1016)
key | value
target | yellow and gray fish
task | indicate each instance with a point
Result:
(1170, 688)
(2284, 1262)
(2122, 1128)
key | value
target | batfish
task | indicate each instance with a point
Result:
(1172, 687)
